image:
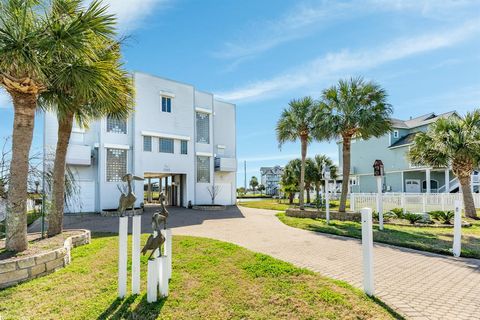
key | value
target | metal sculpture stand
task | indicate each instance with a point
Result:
(122, 255)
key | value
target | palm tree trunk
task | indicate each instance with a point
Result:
(16, 223)
(467, 197)
(302, 173)
(346, 171)
(308, 194)
(55, 221)
(291, 196)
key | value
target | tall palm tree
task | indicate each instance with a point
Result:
(297, 123)
(320, 162)
(29, 41)
(90, 87)
(353, 108)
(310, 176)
(452, 141)
(290, 179)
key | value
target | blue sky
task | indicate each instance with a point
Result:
(261, 54)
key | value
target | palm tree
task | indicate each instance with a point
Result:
(452, 141)
(29, 42)
(320, 162)
(297, 123)
(290, 178)
(353, 108)
(89, 88)
(310, 177)
(254, 183)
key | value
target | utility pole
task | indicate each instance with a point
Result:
(245, 173)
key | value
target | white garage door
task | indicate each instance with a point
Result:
(85, 200)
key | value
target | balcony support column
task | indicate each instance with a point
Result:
(447, 180)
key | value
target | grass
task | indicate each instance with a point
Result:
(32, 215)
(279, 204)
(211, 280)
(438, 240)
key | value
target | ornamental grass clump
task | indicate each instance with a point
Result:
(444, 217)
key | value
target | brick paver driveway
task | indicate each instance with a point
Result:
(417, 285)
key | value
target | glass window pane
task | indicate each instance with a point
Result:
(165, 145)
(184, 147)
(203, 169)
(203, 127)
(147, 143)
(169, 105)
(116, 125)
(116, 164)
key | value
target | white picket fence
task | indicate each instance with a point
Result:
(413, 202)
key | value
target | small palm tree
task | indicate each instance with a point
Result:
(253, 183)
(290, 179)
(297, 123)
(320, 162)
(353, 108)
(310, 176)
(452, 141)
(29, 43)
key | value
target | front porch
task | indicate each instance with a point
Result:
(434, 180)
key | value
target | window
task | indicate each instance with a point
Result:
(116, 125)
(184, 147)
(353, 181)
(203, 169)
(116, 164)
(166, 104)
(395, 134)
(147, 143)
(203, 127)
(165, 145)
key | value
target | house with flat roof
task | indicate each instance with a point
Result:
(400, 174)
(179, 138)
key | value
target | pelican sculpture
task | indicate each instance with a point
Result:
(153, 243)
(161, 215)
(128, 198)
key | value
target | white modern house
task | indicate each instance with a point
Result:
(180, 137)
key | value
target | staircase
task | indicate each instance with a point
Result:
(454, 186)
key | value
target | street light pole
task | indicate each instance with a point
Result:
(43, 175)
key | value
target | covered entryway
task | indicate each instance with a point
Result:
(172, 185)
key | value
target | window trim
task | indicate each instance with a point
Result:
(395, 134)
(161, 103)
(126, 127)
(106, 157)
(169, 139)
(151, 143)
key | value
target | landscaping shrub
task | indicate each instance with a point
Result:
(398, 212)
(413, 217)
(387, 216)
(444, 217)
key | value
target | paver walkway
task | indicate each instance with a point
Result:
(418, 285)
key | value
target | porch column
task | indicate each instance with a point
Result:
(167, 194)
(149, 190)
(447, 180)
(159, 186)
(427, 179)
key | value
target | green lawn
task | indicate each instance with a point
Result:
(278, 204)
(211, 280)
(437, 240)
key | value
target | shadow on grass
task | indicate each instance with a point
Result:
(122, 309)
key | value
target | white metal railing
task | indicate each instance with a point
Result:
(414, 202)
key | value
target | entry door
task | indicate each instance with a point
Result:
(412, 186)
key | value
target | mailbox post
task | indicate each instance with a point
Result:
(326, 177)
(378, 172)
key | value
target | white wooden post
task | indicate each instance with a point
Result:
(428, 180)
(457, 229)
(447, 180)
(424, 202)
(122, 256)
(402, 203)
(367, 250)
(327, 202)
(379, 202)
(162, 276)
(152, 280)
(352, 202)
(167, 233)
(442, 199)
(136, 225)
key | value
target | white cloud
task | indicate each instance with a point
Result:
(130, 13)
(5, 100)
(303, 20)
(339, 64)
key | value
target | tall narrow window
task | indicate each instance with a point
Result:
(116, 164)
(165, 145)
(147, 143)
(166, 104)
(203, 169)
(183, 146)
(395, 133)
(116, 125)
(203, 127)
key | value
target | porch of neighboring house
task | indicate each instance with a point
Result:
(441, 180)
(172, 185)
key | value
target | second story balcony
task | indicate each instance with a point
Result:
(225, 164)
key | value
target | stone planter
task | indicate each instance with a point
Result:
(16, 270)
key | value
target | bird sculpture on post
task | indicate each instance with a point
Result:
(128, 198)
(153, 243)
(161, 215)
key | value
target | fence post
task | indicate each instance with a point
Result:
(442, 195)
(402, 202)
(327, 202)
(367, 250)
(457, 229)
(352, 201)
(424, 209)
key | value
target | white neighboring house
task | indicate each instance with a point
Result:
(271, 179)
(183, 137)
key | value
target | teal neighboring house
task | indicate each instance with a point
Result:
(400, 174)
